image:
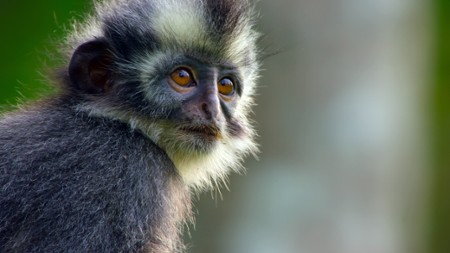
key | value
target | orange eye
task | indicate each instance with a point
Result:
(226, 87)
(182, 77)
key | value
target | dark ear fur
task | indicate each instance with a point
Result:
(90, 67)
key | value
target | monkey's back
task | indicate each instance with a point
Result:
(73, 183)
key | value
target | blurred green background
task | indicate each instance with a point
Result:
(354, 123)
(29, 35)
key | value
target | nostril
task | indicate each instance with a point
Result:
(207, 111)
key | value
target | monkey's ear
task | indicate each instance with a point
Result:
(90, 67)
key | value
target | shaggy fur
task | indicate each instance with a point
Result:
(73, 183)
(105, 169)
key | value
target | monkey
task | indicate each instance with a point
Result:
(152, 105)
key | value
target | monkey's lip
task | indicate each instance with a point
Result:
(204, 130)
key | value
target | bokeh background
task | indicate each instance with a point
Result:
(353, 117)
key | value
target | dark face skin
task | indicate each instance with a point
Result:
(209, 94)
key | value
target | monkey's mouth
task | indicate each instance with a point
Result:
(210, 131)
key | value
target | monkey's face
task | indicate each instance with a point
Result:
(204, 99)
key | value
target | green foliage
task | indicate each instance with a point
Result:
(440, 112)
(30, 34)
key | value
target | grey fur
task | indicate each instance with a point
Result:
(73, 183)
(102, 166)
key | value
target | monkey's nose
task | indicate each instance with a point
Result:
(210, 110)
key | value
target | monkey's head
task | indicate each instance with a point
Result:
(180, 71)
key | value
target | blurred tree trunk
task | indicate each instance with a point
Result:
(440, 227)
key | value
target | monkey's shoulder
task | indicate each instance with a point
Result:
(58, 137)
(70, 181)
